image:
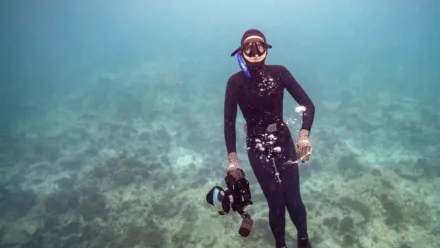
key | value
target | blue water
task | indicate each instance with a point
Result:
(111, 121)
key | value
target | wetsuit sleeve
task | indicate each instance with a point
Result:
(301, 97)
(230, 115)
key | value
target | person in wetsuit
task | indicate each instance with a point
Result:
(273, 156)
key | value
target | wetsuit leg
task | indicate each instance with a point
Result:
(265, 173)
(290, 183)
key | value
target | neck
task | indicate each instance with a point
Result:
(255, 67)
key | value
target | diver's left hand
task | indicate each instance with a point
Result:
(303, 146)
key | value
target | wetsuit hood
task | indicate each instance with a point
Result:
(250, 33)
(253, 35)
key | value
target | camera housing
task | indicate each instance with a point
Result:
(237, 196)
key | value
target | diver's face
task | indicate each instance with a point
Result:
(254, 49)
(255, 58)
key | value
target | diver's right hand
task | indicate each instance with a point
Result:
(233, 161)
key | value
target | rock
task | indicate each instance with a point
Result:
(15, 204)
(153, 238)
(22, 231)
(61, 202)
(93, 206)
(124, 177)
(2, 231)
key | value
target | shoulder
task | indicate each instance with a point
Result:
(235, 77)
(277, 69)
(235, 80)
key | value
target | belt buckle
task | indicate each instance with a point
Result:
(272, 128)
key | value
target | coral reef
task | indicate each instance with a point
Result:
(126, 160)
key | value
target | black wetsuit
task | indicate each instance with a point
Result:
(261, 102)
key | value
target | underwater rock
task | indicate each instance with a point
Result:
(348, 241)
(430, 169)
(50, 222)
(93, 206)
(189, 213)
(134, 232)
(406, 175)
(2, 231)
(349, 167)
(109, 235)
(15, 204)
(133, 163)
(165, 161)
(100, 172)
(37, 241)
(61, 203)
(97, 243)
(133, 235)
(376, 172)
(89, 189)
(145, 136)
(72, 228)
(208, 241)
(197, 137)
(386, 183)
(199, 182)
(402, 245)
(393, 212)
(65, 183)
(152, 238)
(72, 163)
(21, 231)
(331, 222)
(153, 166)
(347, 225)
(124, 177)
(183, 236)
(114, 245)
(165, 208)
(71, 242)
(76, 134)
(357, 206)
(46, 149)
(145, 174)
(435, 231)
(90, 232)
(113, 162)
(163, 135)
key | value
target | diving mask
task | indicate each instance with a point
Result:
(253, 49)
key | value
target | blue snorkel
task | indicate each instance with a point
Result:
(242, 65)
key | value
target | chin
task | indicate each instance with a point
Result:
(255, 60)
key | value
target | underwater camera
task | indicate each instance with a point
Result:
(237, 195)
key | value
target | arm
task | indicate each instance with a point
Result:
(301, 97)
(230, 115)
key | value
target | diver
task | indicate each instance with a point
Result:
(258, 89)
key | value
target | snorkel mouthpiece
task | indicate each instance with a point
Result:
(243, 66)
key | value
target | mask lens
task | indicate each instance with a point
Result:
(247, 50)
(261, 48)
(254, 48)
